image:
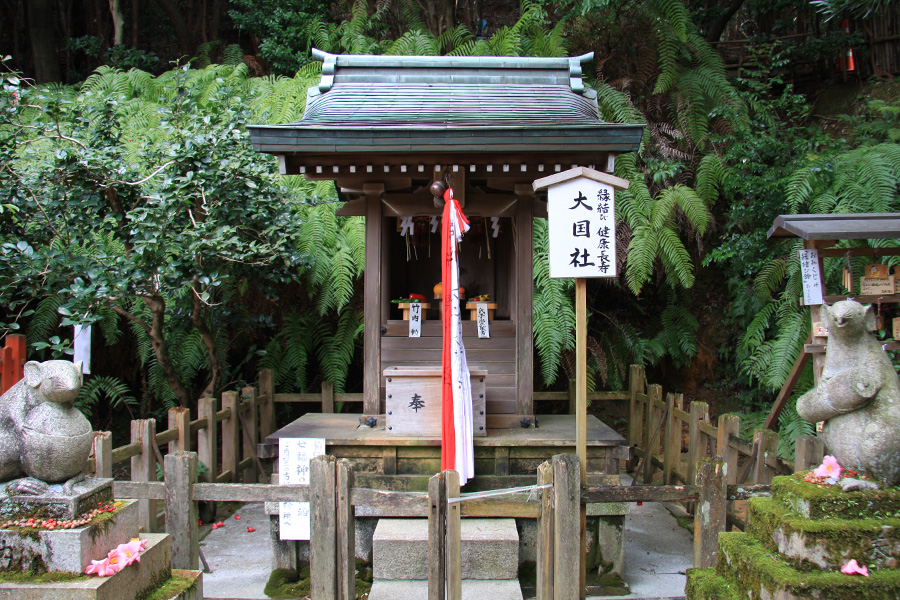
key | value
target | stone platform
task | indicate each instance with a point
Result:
(797, 542)
(85, 497)
(67, 550)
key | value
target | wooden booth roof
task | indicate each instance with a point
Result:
(379, 106)
(849, 226)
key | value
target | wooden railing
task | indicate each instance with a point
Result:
(556, 501)
(239, 422)
(657, 431)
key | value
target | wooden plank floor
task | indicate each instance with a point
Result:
(344, 429)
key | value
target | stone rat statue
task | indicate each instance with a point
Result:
(858, 395)
(42, 434)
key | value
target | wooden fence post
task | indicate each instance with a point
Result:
(545, 535)
(346, 532)
(567, 551)
(651, 435)
(437, 523)
(766, 442)
(249, 422)
(180, 419)
(267, 403)
(710, 511)
(327, 396)
(181, 510)
(143, 468)
(696, 439)
(808, 453)
(322, 545)
(453, 547)
(230, 432)
(102, 454)
(208, 439)
(572, 390)
(635, 387)
(729, 425)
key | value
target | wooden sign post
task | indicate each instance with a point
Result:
(582, 235)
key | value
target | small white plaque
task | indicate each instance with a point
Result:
(812, 279)
(415, 319)
(82, 341)
(294, 455)
(582, 229)
(482, 321)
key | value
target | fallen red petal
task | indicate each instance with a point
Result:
(238, 517)
(251, 529)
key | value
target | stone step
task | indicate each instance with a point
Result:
(758, 574)
(830, 501)
(824, 543)
(472, 589)
(135, 580)
(69, 550)
(490, 549)
(184, 585)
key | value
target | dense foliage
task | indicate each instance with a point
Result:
(134, 202)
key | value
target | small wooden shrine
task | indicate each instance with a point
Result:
(384, 129)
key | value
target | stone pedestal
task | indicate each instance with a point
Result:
(798, 540)
(86, 496)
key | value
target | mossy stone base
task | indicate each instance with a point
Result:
(830, 501)
(824, 543)
(705, 584)
(762, 575)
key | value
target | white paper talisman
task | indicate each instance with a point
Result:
(812, 279)
(415, 319)
(482, 321)
(294, 455)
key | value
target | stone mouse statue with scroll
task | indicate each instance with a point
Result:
(858, 394)
(42, 435)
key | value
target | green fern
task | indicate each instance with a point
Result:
(97, 388)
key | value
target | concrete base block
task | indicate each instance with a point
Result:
(69, 550)
(187, 585)
(131, 582)
(472, 589)
(86, 494)
(490, 549)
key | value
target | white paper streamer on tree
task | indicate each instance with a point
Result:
(82, 336)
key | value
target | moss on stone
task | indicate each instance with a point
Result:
(180, 582)
(288, 583)
(869, 541)
(705, 584)
(831, 501)
(38, 577)
(744, 561)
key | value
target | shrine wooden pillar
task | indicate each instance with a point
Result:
(524, 311)
(372, 311)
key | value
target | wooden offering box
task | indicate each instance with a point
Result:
(404, 306)
(472, 307)
(413, 401)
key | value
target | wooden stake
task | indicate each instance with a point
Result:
(581, 412)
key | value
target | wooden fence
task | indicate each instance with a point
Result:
(556, 501)
(659, 429)
(242, 420)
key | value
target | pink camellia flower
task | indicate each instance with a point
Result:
(130, 552)
(829, 469)
(102, 568)
(854, 568)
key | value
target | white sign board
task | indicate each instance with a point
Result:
(82, 343)
(294, 455)
(812, 279)
(582, 229)
(482, 320)
(415, 319)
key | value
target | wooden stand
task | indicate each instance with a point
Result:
(405, 308)
(472, 307)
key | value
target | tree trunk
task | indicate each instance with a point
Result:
(718, 26)
(115, 9)
(209, 340)
(178, 21)
(42, 31)
(157, 306)
(134, 23)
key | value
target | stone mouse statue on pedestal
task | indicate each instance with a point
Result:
(42, 434)
(858, 395)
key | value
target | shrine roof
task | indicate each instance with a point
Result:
(432, 103)
(848, 226)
